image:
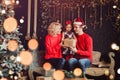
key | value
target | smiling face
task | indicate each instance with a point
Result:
(68, 27)
(78, 28)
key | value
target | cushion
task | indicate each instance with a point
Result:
(96, 57)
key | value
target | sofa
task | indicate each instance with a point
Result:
(100, 68)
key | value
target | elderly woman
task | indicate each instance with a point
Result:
(53, 53)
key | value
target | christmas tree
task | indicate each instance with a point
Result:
(10, 43)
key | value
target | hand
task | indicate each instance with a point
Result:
(74, 49)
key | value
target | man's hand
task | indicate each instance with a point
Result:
(74, 49)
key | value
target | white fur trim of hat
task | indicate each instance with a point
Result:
(79, 23)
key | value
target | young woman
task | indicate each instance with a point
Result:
(53, 53)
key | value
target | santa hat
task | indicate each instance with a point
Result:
(79, 21)
(68, 22)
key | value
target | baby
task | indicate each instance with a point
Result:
(67, 34)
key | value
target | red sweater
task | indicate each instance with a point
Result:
(53, 47)
(84, 46)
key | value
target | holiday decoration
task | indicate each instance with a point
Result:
(3, 45)
(91, 12)
(10, 24)
(26, 57)
(12, 45)
(69, 42)
(33, 44)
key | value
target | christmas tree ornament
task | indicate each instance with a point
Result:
(10, 72)
(12, 45)
(10, 24)
(12, 57)
(33, 44)
(26, 57)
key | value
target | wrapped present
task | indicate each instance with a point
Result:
(43, 78)
(69, 42)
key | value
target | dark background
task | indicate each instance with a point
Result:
(103, 36)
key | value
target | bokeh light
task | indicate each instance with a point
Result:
(58, 75)
(21, 20)
(106, 72)
(15, 77)
(18, 59)
(33, 44)
(10, 24)
(3, 79)
(47, 66)
(17, 2)
(111, 77)
(114, 6)
(11, 72)
(118, 71)
(114, 46)
(26, 57)
(8, 2)
(12, 45)
(77, 72)
(3, 11)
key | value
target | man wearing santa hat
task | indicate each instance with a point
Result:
(83, 49)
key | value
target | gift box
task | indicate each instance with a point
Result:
(43, 78)
(69, 42)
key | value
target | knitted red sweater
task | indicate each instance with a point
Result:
(53, 48)
(84, 46)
